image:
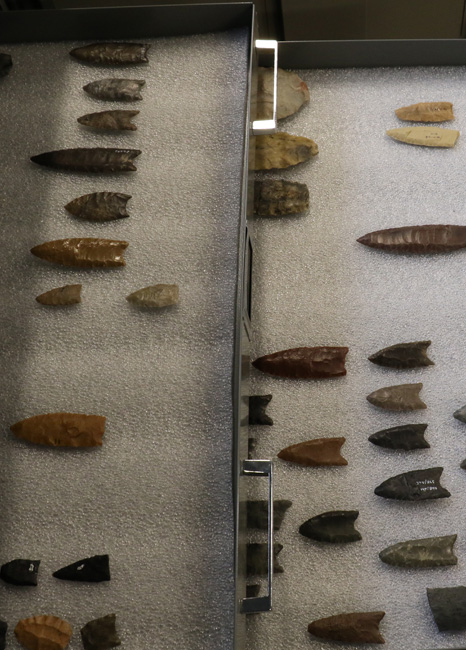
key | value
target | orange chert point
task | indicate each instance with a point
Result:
(62, 429)
(357, 627)
(305, 363)
(43, 633)
(320, 451)
(84, 252)
(426, 112)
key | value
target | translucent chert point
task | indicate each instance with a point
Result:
(418, 485)
(91, 569)
(357, 627)
(460, 414)
(304, 363)
(43, 633)
(313, 453)
(3, 631)
(335, 527)
(279, 198)
(282, 150)
(404, 397)
(257, 406)
(448, 607)
(158, 295)
(100, 634)
(112, 53)
(418, 240)
(119, 120)
(100, 206)
(83, 252)
(425, 136)
(426, 112)
(70, 294)
(257, 513)
(406, 436)
(20, 572)
(117, 90)
(292, 93)
(5, 64)
(428, 552)
(96, 160)
(403, 355)
(257, 559)
(62, 429)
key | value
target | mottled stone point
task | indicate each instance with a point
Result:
(280, 198)
(322, 362)
(404, 397)
(357, 627)
(428, 552)
(100, 634)
(62, 429)
(282, 150)
(403, 355)
(426, 112)
(43, 633)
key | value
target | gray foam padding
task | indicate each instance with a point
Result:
(157, 496)
(315, 285)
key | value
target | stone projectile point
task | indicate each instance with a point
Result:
(357, 627)
(448, 607)
(404, 397)
(100, 634)
(403, 355)
(418, 485)
(91, 569)
(282, 150)
(20, 572)
(428, 552)
(43, 633)
(425, 136)
(322, 362)
(405, 436)
(418, 240)
(336, 527)
(292, 93)
(280, 198)
(313, 453)
(426, 112)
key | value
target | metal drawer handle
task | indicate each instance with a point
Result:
(262, 603)
(267, 126)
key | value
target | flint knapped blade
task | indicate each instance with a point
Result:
(448, 607)
(335, 527)
(117, 90)
(418, 485)
(99, 206)
(118, 120)
(100, 634)
(292, 93)
(257, 513)
(5, 64)
(314, 453)
(257, 559)
(282, 150)
(404, 397)
(3, 631)
(257, 406)
(70, 294)
(62, 429)
(20, 572)
(460, 414)
(112, 53)
(403, 355)
(91, 569)
(83, 252)
(304, 363)
(419, 240)
(428, 552)
(96, 160)
(357, 627)
(279, 198)
(425, 136)
(426, 112)
(405, 436)
(157, 295)
(43, 633)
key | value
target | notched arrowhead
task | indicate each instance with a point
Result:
(43, 633)
(257, 406)
(158, 295)
(91, 569)
(100, 634)
(403, 355)
(313, 453)
(83, 252)
(425, 136)
(257, 559)
(404, 397)
(419, 240)
(281, 150)
(20, 572)
(279, 198)
(304, 363)
(419, 553)
(336, 527)
(417, 485)
(357, 627)
(405, 436)
(258, 513)
(62, 429)
(426, 112)
(448, 607)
